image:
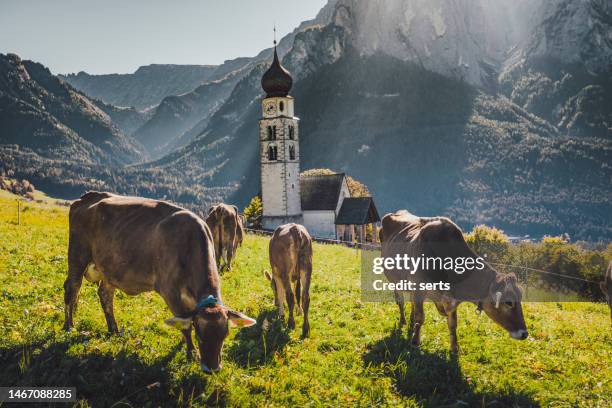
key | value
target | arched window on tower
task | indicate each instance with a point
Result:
(291, 132)
(274, 132)
(272, 153)
(270, 133)
(291, 152)
(281, 106)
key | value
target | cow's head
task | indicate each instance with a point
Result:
(503, 305)
(211, 321)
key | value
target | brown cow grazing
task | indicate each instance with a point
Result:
(291, 261)
(404, 234)
(226, 227)
(606, 287)
(139, 245)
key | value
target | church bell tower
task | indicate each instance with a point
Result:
(279, 149)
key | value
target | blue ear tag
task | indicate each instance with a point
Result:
(208, 301)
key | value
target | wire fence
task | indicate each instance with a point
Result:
(531, 279)
(370, 246)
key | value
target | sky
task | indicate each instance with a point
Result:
(118, 36)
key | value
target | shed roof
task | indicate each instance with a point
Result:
(320, 192)
(357, 211)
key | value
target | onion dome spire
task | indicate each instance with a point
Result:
(276, 81)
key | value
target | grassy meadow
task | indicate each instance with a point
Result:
(355, 355)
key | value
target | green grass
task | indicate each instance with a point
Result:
(354, 356)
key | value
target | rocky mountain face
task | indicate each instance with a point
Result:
(562, 68)
(40, 112)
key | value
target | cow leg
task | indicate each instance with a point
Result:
(279, 296)
(399, 299)
(451, 319)
(189, 343)
(290, 297)
(298, 297)
(230, 256)
(305, 294)
(440, 307)
(417, 318)
(78, 259)
(224, 258)
(106, 293)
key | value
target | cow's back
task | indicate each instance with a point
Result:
(290, 245)
(133, 240)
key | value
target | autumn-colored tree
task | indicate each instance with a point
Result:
(253, 212)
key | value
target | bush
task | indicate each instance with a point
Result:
(490, 242)
(555, 254)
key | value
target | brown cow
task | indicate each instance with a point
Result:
(418, 237)
(291, 262)
(139, 245)
(606, 287)
(226, 227)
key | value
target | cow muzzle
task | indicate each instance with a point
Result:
(208, 370)
(519, 334)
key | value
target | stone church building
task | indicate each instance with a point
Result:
(322, 203)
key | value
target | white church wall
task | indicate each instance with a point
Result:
(320, 223)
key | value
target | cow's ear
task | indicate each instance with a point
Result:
(267, 275)
(179, 322)
(237, 319)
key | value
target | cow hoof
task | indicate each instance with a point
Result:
(291, 324)
(415, 342)
(191, 355)
(305, 331)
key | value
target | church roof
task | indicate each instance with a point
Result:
(321, 192)
(357, 211)
(276, 81)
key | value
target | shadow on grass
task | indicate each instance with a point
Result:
(435, 379)
(103, 378)
(256, 346)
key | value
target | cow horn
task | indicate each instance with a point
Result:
(498, 296)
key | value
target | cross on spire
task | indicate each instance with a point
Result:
(274, 33)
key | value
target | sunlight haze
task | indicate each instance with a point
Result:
(119, 36)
